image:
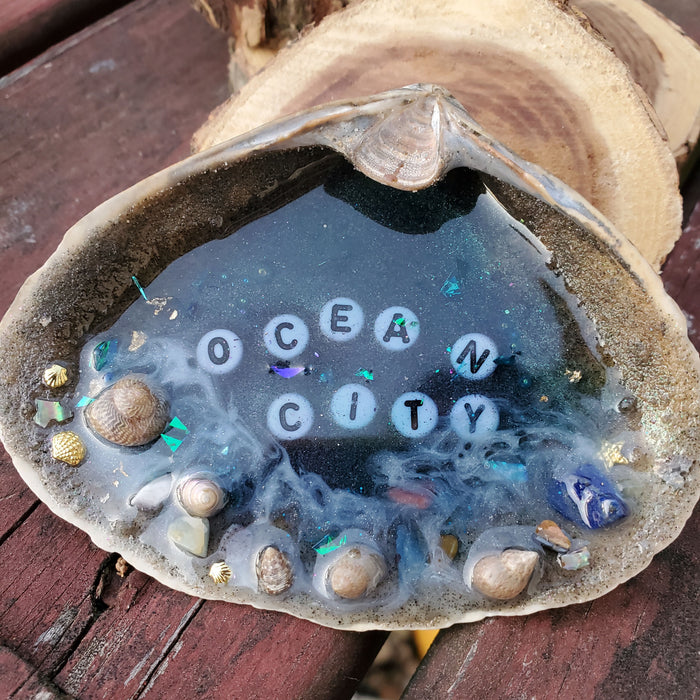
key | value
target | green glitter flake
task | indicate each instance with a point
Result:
(103, 353)
(171, 442)
(368, 374)
(139, 287)
(326, 545)
(178, 424)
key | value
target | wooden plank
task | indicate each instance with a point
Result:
(29, 27)
(16, 498)
(161, 644)
(47, 588)
(89, 118)
(639, 641)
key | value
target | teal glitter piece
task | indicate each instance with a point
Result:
(84, 401)
(368, 374)
(171, 442)
(326, 545)
(450, 287)
(103, 354)
(139, 287)
(509, 470)
(178, 424)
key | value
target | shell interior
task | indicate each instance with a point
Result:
(403, 370)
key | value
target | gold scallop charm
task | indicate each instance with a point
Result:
(55, 376)
(68, 447)
(220, 572)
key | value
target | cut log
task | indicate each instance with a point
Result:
(530, 73)
(663, 60)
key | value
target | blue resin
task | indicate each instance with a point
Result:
(587, 497)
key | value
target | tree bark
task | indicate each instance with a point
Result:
(530, 71)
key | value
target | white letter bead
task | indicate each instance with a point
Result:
(219, 351)
(341, 319)
(286, 336)
(414, 414)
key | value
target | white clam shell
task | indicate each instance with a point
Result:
(152, 495)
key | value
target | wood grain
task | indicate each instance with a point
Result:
(89, 118)
(28, 27)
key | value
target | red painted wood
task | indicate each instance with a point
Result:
(16, 498)
(91, 117)
(47, 577)
(29, 27)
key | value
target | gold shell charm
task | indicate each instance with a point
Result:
(356, 572)
(220, 572)
(505, 575)
(128, 413)
(201, 495)
(55, 376)
(68, 447)
(274, 571)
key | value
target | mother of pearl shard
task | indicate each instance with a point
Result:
(378, 356)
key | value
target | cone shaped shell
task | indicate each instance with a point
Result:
(505, 575)
(274, 571)
(128, 413)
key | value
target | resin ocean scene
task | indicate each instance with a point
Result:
(363, 405)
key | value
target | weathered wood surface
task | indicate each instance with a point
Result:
(639, 641)
(28, 27)
(96, 114)
(85, 120)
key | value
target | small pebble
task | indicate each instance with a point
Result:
(552, 536)
(450, 545)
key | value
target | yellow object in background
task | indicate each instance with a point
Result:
(423, 639)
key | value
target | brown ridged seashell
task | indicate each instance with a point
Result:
(128, 413)
(356, 572)
(505, 575)
(201, 495)
(68, 447)
(274, 571)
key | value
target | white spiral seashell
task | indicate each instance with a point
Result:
(201, 495)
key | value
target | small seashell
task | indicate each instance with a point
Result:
(201, 495)
(505, 575)
(128, 413)
(55, 376)
(220, 572)
(68, 447)
(572, 561)
(151, 495)
(190, 534)
(356, 572)
(552, 536)
(274, 571)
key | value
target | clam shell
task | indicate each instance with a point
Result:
(274, 571)
(201, 495)
(504, 576)
(356, 572)
(129, 413)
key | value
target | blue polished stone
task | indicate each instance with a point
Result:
(587, 497)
